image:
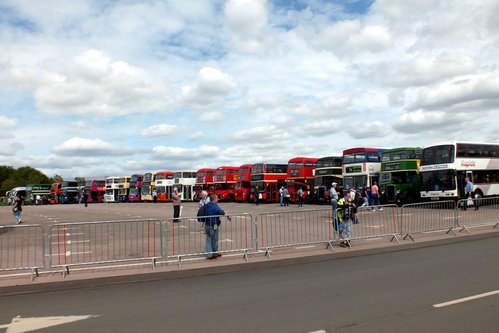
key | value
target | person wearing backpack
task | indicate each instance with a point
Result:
(212, 226)
(346, 207)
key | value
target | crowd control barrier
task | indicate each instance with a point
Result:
(22, 247)
(92, 243)
(427, 217)
(483, 211)
(187, 237)
(376, 222)
(293, 228)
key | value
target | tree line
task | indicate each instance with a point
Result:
(11, 177)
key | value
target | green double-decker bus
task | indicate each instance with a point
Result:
(32, 190)
(399, 178)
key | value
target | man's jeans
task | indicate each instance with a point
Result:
(334, 204)
(211, 240)
(17, 215)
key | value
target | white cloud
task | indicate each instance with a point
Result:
(79, 124)
(89, 147)
(247, 20)
(7, 123)
(361, 130)
(212, 86)
(93, 84)
(211, 117)
(160, 130)
(482, 88)
(261, 134)
(421, 121)
(191, 154)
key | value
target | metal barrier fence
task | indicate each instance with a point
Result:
(187, 237)
(293, 228)
(102, 242)
(483, 211)
(427, 217)
(22, 247)
(376, 222)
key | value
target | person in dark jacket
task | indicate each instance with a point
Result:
(212, 226)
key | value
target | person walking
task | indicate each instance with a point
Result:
(17, 208)
(334, 204)
(176, 205)
(212, 226)
(281, 196)
(154, 196)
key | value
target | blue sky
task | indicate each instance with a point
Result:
(99, 88)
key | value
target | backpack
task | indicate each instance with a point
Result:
(202, 212)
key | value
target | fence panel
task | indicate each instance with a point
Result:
(87, 243)
(188, 238)
(22, 247)
(427, 217)
(484, 211)
(292, 228)
(375, 222)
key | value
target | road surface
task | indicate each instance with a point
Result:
(416, 290)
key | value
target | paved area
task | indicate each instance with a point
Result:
(417, 289)
(48, 215)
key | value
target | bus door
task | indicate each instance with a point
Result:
(269, 191)
(187, 190)
(372, 179)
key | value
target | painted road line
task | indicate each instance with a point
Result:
(466, 299)
(19, 324)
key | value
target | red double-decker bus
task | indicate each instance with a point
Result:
(225, 182)
(95, 189)
(204, 181)
(243, 185)
(163, 182)
(55, 191)
(269, 178)
(301, 175)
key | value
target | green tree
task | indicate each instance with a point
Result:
(56, 178)
(6, 172)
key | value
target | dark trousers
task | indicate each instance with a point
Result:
(176, 213)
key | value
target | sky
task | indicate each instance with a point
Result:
(109, 88)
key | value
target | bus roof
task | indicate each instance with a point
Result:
(225, 167)
(303, 159)
(362, 150)
(245, 166)
(461, 143)
(205, 170)
(394, 150)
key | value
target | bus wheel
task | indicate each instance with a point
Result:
(478, 194)
(230, 198)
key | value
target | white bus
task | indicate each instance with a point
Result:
(444, 167)
(112, 187)
(185, 181)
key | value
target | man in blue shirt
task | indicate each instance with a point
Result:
(212, 226)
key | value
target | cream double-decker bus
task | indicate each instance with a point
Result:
(185, 181)
(445, 166)
(111, 194)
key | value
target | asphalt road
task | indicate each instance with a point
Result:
(390, 292)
